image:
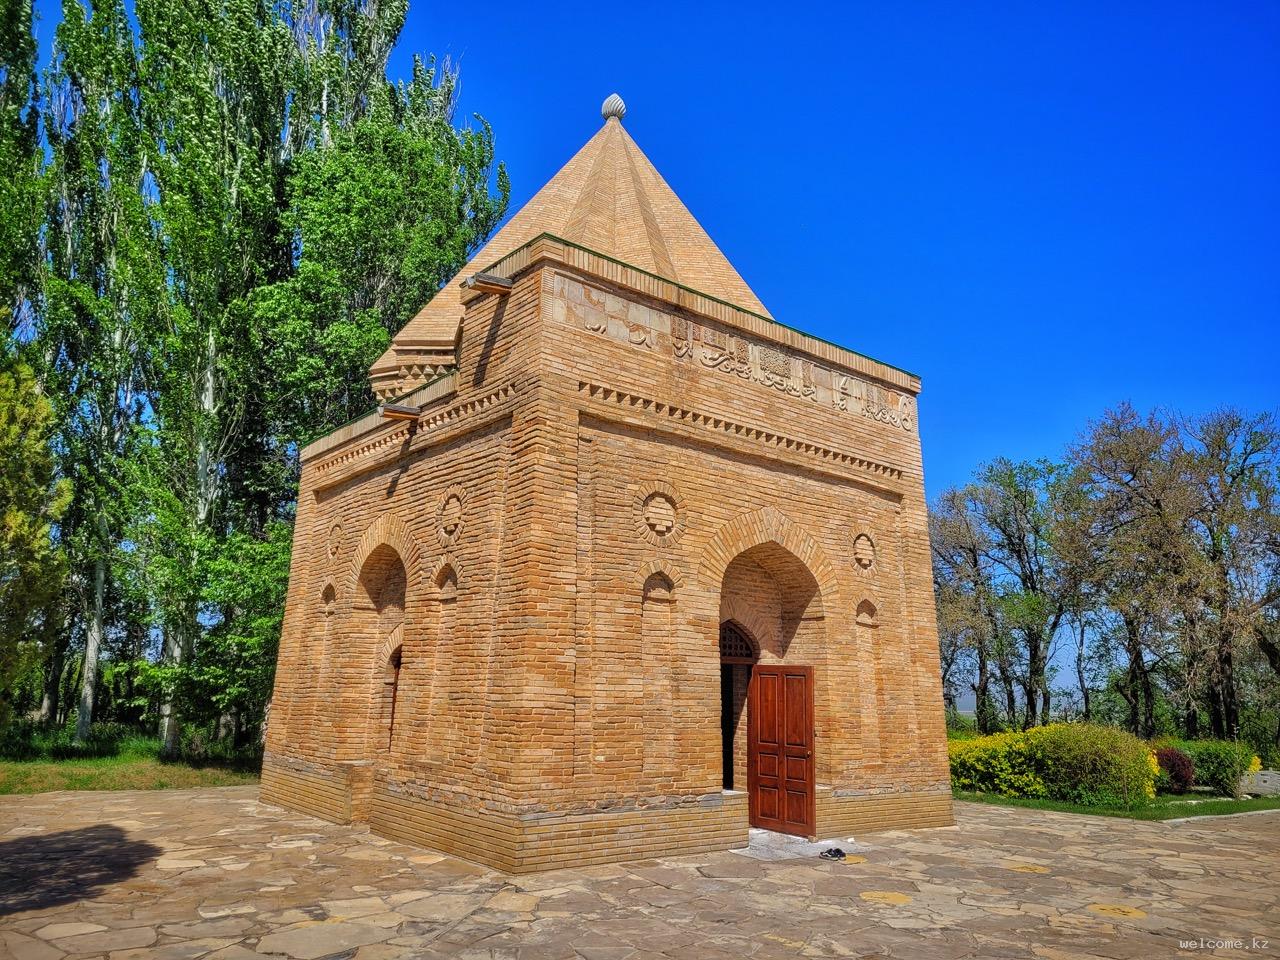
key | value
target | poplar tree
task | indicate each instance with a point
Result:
(20, 160)
(103, 290)
(231, 212)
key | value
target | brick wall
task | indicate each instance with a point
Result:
(610, 479)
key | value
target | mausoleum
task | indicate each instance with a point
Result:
(621, 566)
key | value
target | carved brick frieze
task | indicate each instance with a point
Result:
(687, 341)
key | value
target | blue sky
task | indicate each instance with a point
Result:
(1041, 208)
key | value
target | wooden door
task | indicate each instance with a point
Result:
(780, 749)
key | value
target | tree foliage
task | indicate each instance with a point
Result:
(20, 159)
(219, 216)
(31, 501)
(1154, 549)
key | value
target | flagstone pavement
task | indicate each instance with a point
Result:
(213, 873)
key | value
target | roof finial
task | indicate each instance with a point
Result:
(613, 107)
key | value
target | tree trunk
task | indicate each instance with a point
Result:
(51, 695)
(1080, 674)
(68, 684)
(1010, 694)
(92, 644)
(1148, 704)
(1216, 724)
(180, 640)
(1035, 680)
(1128, 690)
(1031, 704)
(168, 709)
(1268, 645)
(1141, 695)
(982, 711)
(1226, 679)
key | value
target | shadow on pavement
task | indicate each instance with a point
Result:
(49, 869)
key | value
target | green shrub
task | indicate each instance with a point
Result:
(31, 741)
(198, 747)
(18, 741)
(103, 741)
(1074, 762)
(1219, 763)
(1093, 765)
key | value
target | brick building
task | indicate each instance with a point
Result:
(621, 565)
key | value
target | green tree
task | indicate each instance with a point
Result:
(1011, 510)
(31, 566)
(1232, 469)
(1180, 532)
(384, 211)
(967, 617)
(215, 86)
(103, 294)
(235, 664)
(231, 213)
(258, 114)
(20, 161)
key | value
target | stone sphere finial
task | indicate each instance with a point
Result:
(613, 107)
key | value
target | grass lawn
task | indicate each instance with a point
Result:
(1163, 807)
(130, 762)
(112, 773)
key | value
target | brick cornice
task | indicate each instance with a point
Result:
(882, 476)
(358, 457)
(444, 385)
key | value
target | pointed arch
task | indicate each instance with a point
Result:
(387, 665)
(751, 619)
(737, 644)
(660, 568)
(388, 530)
(764, 526)
(444, 578)
(441, 621)
(656, 658)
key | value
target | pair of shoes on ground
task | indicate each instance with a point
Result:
(832, 853)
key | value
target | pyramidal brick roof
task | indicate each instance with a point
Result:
(610, 199)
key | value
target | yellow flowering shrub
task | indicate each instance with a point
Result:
(1076, 762)
(999, 763)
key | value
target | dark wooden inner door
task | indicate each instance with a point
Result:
(780, 749)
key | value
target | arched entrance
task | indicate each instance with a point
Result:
(738, 654)
(771, 630)
(379, 618)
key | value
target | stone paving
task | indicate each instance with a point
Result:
(213, 873)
